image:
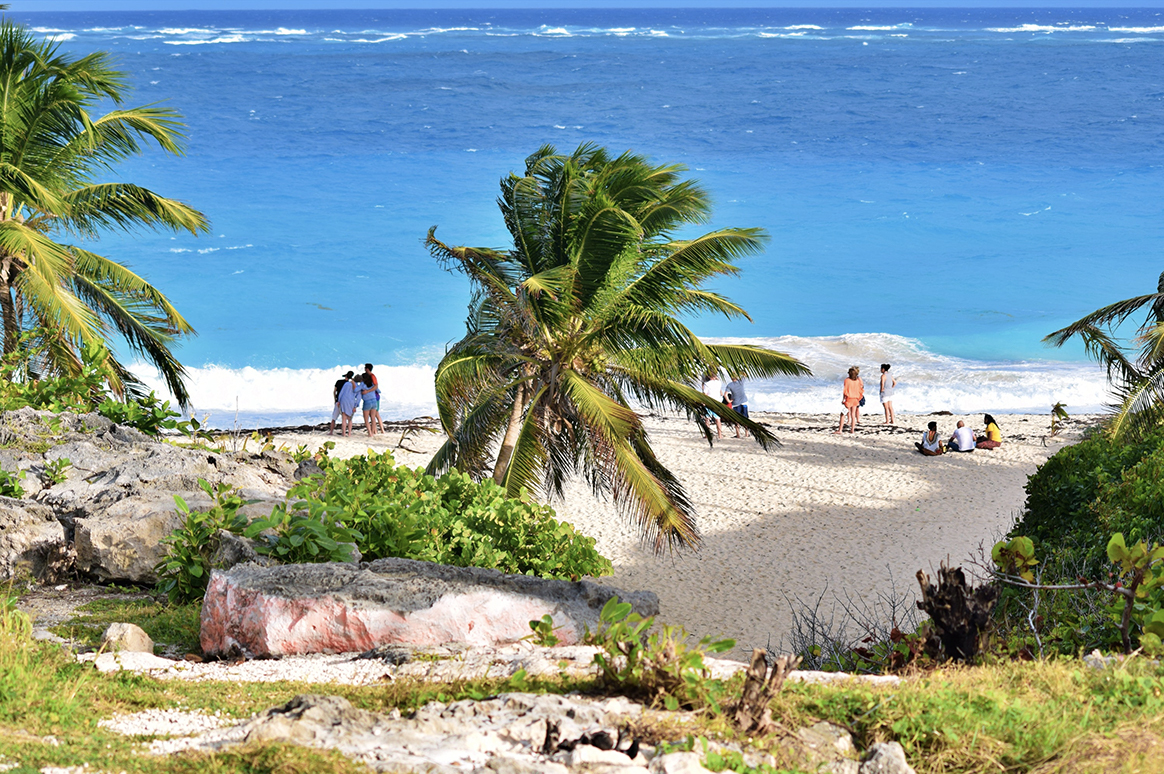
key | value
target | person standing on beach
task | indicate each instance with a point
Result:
(369, 392)
(375, 383)
(713, 388)
(888, 385)
(739, 398)
(349, 399)
(852, 394)
(335, 394)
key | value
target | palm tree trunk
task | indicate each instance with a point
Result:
(8, 312)
(511, 433)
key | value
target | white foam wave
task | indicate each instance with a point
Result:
(221, 39)
(1043, 28)
(291, 396)
(62, 36)
(384, 39)
(1136, 29)
(927, 381)
(803, 27)
(285, 31)
(874, 28)
(182, 31)
(544, 30)
(43, 30)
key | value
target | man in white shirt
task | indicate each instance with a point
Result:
(963, 438)
(713, 389)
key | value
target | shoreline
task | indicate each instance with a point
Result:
(819, 520)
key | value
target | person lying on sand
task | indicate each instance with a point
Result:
(993, 437)
(963, 439)
(931, 445)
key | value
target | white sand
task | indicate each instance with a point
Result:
(824, 513)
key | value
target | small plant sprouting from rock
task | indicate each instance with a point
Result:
(185, 571)
(543, 632)
(10, 484)
(660, 668)
(57, 471)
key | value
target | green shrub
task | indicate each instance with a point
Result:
(308, 532)
(402, 512)
(10, 484)
(185, 571)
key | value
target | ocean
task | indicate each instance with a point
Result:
(942, 187)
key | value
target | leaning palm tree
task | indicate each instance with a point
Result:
(1136, 375)
(53, 152)
(580, 319)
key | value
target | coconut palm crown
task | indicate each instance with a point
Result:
(53, 152)
(1136, 375)
(580, 319)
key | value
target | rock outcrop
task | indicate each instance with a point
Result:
(337, 608)
(116, 501)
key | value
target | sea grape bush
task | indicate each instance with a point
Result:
(403, 512)
(303, 533)
(10, 484)
(185, 571)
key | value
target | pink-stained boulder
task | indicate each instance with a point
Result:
(264, 612)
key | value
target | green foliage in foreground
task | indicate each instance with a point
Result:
(404, 512)
(1046, 716)
(86, 390)
(384, 510)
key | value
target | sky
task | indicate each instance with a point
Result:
(181, 5)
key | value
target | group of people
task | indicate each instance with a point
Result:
(853, 398)
(963, 439)
(350, 393)
(731, 393)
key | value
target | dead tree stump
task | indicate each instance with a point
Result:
(752, 713)
(960, 613)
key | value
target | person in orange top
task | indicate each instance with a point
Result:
(854, 393)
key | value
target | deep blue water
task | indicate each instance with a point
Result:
(958, 182)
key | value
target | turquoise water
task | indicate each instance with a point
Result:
(942, 187)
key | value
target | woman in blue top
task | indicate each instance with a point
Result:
(371, 404)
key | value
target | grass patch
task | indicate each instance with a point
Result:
(165, 623)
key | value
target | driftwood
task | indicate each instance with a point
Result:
(761, 682)
(960, 614)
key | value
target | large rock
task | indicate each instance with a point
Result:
(29, 535)
(337, 608)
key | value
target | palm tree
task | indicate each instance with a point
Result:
(52, 153)
(1136, 376)
(580, 318)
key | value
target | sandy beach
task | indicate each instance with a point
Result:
(823, 514)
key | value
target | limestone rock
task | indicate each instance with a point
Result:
(886, 758)
(130, 661)
(829, 740)
(124, 542)
(29, 535)
(678, 763)
(126, 637)
(338, 608)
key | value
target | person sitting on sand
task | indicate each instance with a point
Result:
(963, 438)
(993, 437)
(335, 393)
(371, 403)
(852, 394)
(888, 385)
(349, 399)
(931, 445)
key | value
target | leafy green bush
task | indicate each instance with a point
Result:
(402, 512)
(185, 571)
(10, 484)
(660, 667)
(307, 532)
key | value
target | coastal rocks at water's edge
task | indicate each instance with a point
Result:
(341, 608)
(107, 516)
